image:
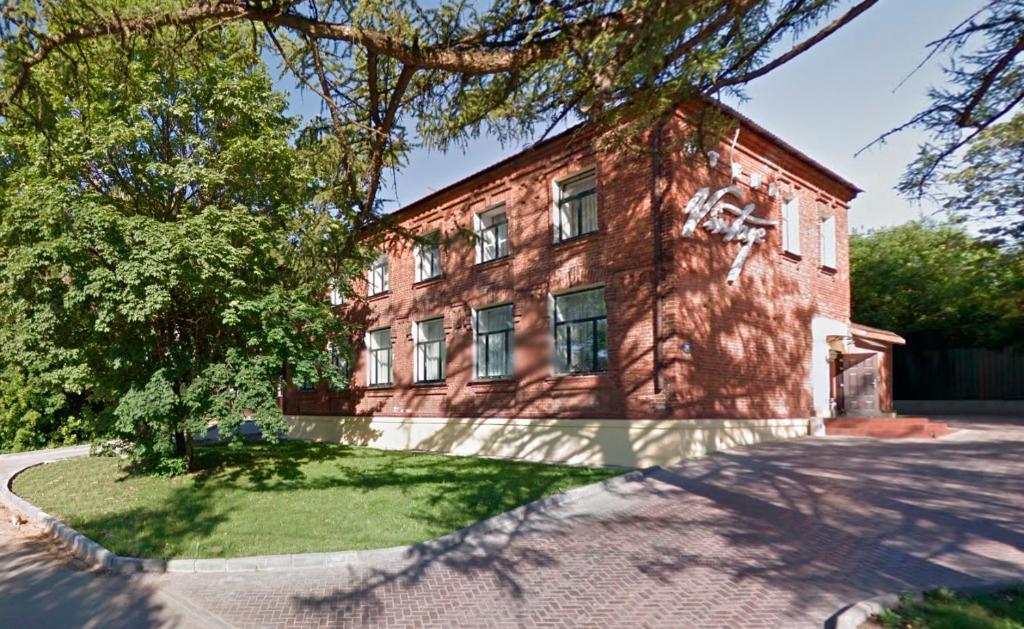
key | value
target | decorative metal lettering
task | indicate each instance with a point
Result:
(745, 227)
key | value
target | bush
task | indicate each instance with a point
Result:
(31, 419)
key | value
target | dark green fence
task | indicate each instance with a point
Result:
(958, 373)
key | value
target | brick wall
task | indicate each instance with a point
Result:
(749, 343)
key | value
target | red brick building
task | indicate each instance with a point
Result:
(588, 321)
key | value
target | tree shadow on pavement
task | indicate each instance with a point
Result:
(39, 588)
(793, 531)
(833, 521)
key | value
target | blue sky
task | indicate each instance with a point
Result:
(829, 103)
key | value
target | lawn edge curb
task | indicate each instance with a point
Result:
(97, 556)
(853, 616)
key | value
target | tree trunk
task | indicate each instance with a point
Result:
(180, 443)
(190, 452)
(184, 446)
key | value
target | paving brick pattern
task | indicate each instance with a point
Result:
(780, 535)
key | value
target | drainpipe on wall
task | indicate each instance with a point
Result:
(656, 199)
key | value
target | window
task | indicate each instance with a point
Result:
(336, 296)
(430, 350)
(378, 276)
(791, 226)
(428, 259)
(378, 343)
(493, 327)
(576, 211)
(492, 234)
(581, 332)
(340, 364)
(828, 242)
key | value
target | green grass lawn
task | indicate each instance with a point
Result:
(943, 609)
(292, 497)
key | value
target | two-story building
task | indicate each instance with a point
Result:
(619, 303)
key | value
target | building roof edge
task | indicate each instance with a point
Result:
(583, 127)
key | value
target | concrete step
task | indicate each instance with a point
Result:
(886, 428)
(888, 421)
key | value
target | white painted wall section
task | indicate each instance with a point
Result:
(821, 329)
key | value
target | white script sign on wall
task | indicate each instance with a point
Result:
(741, 226)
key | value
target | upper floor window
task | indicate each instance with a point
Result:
(791, 226)
(377, 277)
(493, 329)
(430, 350)
(336, 296)
(576, 211)
(492, 234)
(828, 242)
(378, 346)
(581, 332)
(428, 258)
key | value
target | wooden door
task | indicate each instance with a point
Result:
(860, 384)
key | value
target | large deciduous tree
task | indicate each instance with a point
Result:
(158, 230)
(933, 278)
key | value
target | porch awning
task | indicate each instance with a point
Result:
(876, 334)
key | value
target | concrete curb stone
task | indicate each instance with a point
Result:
(97, 556)
(181, 565)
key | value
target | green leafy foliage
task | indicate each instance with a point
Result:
(32, 417)
(946, 609)
(399, 72)
(156, 221)
(988, 187)
(936, 278)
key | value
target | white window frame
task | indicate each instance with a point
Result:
(336, 296)
(556, 195)
(509, 342)
(371, 365)
(479, 227)
(791, 226)
(828, 240)
(373, 287)
(418, 365)
(553, 328)
(418, 258)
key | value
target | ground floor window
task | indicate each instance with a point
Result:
(494, 342)
(340, 365)
(379, 363)
(430, 350)
(581, 332)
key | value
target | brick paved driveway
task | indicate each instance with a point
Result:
(777, 535)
